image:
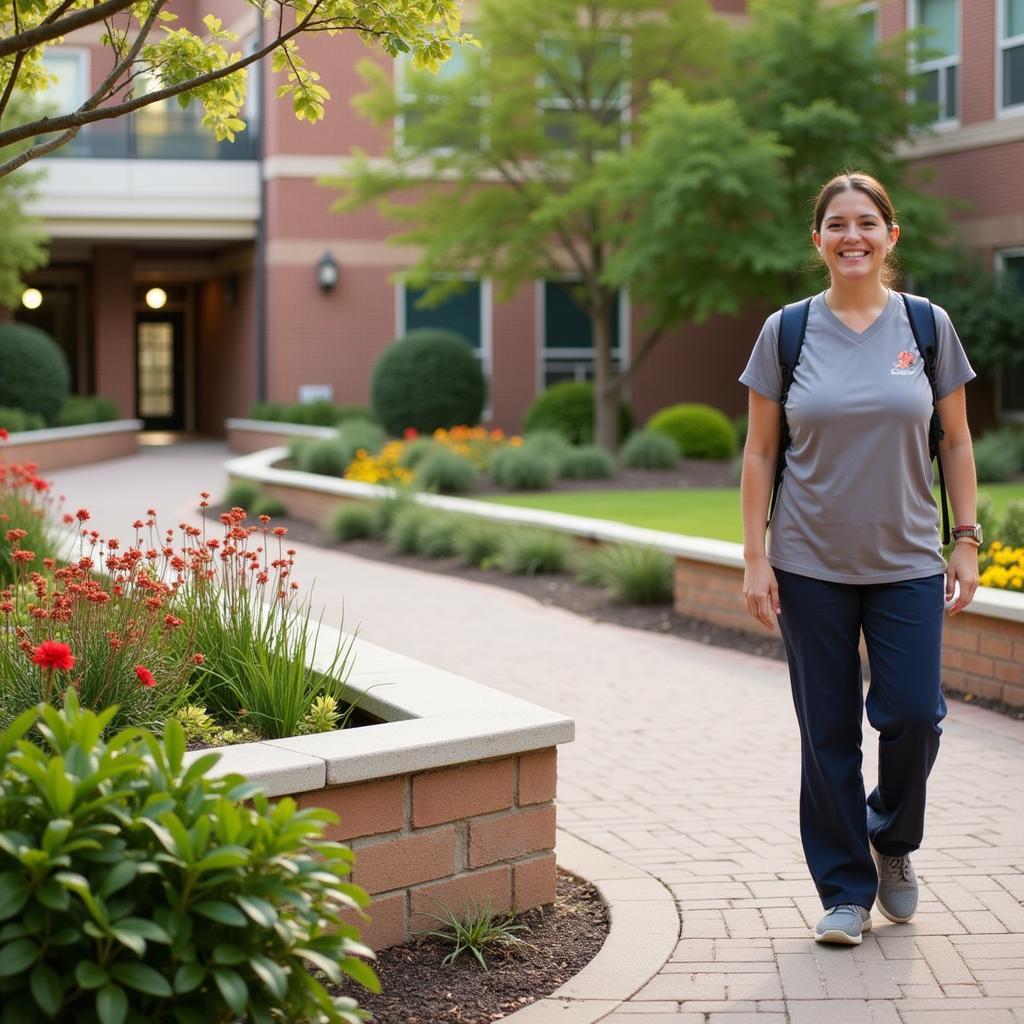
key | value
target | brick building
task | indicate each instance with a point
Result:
(234, 237)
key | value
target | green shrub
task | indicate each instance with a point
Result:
(384, 511)
(699, 431)
(350, 413)
(35, 373)
(478, 542)
(531, 552)
(739, 429)
(17, 420)
(242, 494)
(588, 462)
(990, 525)
(521, 469)
(136, 887)
(320, 413)
(268, 505)
(436, 535)
(1011, 529)
(634, 574)
(326, 457)
(298, 448)
(996, 457)
(352, 520)
(649, 449)
(445, 472)
(272, 411)
(569, 408)
(549, 444)
(359, 435)
(417, 450)
(428, 379)
(79, 410)
(403, 534)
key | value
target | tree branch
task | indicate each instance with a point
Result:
(40, 149)
(646, 347)
(48, 30)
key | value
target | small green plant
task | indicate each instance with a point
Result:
(359, 435)
(82, 409)
(699, 431)
(588, 462)
(201, 729)
(478, 931)
(549, 444)
(297, 448)
(569, 409)
(478, 542)
(520, 469)
(242, 494)
(650, 449)
(268, 505)
(384, 512)
(326, 457)
(352, 520)
(528, 551)
(18, 420)
(437, 534)
(404, 530)
(416, 450)
(445, 472)
(324, 715)
(1011, 529)
(634, 574)
(272, 411)
(135, 887)
(997, 456)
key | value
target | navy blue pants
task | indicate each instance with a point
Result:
(821, 624)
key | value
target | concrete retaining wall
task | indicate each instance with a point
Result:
(58, 447)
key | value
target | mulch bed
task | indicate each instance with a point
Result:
(419, 989)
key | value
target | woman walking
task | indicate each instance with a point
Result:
(853, 546)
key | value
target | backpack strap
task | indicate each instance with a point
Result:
(792, 327)
(921, 315)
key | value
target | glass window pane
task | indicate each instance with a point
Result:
(1014, 21)
(951, 107)
(566, 325)
(929, 91)
(1013, 76)
(1013, 266)
(156, 369)
(868, 21)
(459, 313)
(68, 91)
(940, 17)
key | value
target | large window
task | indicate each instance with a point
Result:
(941, 55)
(1011, 55)
(467, 313)
(566, 334)
(426, 117)
(867, 18)
(1011, 263)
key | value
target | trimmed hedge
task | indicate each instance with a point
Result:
(16, 421)
(569, 408)
(79, 410)
(320, 413)
(699, 431)
(35, 373)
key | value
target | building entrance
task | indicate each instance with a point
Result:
(160, 370)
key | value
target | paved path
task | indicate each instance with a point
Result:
(686, 763)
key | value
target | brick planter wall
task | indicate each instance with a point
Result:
(246, 436)
(58, 447)
(480, 832)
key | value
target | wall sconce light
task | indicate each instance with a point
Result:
(156, 298)
(31, 298)
(327, 273)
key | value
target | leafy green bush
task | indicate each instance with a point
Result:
(1011, 528)
(320, 413)
(699, 431)
(521, 469)
(326, 457)
(17, 420)
(649, 449)
(359, 435)
(634, 574)
(242, 494)
(384, 511)
(35, 374)
(137, 888)
(996, 457)
(588, 462)
(445, 472)
(272, 411)
(82, 409)
(531, 552)
(268, 505)
(436, 535)
(739, 429)
(403, 533)
(352, 520)
(478, 542)
(569, 408)
(428, 379)
(549, 444)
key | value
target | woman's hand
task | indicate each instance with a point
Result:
(962, 571)
(761, 590)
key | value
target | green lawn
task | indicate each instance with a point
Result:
(700, 513)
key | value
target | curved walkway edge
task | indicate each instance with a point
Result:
(643, 930)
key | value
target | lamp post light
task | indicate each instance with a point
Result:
(327, 273)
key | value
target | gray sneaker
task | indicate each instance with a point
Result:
(843, 925)
(897, 887)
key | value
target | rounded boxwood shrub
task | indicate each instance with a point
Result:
(699, 431)
(17, 420)
(569, 408)
(588, 462)
(520, 469)
(445, 472)
(427, 379)
(35, 373)
(649, 449)
(352, 520)
(996, 457)
(136, 887)
(79, 410)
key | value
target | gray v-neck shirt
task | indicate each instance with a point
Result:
(856, 503)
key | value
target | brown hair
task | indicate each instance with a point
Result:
(859, 181)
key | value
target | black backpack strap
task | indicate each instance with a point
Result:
(792, 327)
(921, 315)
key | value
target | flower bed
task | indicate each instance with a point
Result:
(983, 652)
(57, 447)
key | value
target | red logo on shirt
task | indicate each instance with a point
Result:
(903, 367)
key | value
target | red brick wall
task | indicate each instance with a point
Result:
(514, 358)
(114, 326)
(51, 455)
(483, 832)
(977, 60)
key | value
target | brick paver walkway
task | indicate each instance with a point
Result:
(686, 763)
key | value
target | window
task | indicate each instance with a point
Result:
(70, 68)
(424, 115)
(566, 335)
(467, 313)
(867, 18)
(1012, 378)
(941, 48)
(584, 90)
(1011, 55)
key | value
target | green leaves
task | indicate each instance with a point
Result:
(14, 893)
(111, 1004)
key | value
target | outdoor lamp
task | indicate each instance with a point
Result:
(31, 298)
(327, 272)
(156, 298)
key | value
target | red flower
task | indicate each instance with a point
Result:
(145, 676)
(410, 433)
(54, 654)
(198, 659)
(3, 434)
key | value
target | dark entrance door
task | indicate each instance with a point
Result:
(159, 370)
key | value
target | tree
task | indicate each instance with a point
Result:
(191, 67)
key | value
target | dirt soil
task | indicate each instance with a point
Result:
(419, 989)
